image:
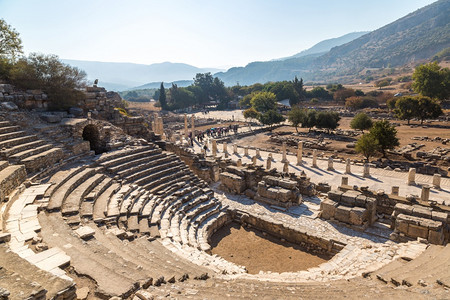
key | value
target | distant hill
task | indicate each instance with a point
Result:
(415, 37)
(326, 45)
(121, 76)
(157, 84)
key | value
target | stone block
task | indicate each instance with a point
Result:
(343, 213)
(415, 231)
(401, 208)
(360, 200)
(439, 216)
(85, 232)
(335, 195)
(401, 226)
(420, 211)
(328, 208)
(233, 182)
(285, 183)
(348, 198)
(51, 118)
(436, 237)
(358, 215)
(430, 224)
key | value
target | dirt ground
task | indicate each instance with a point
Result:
(404, 133)
(244, 246)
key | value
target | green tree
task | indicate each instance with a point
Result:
(250, 114)
(61, 82)
(310, 119)
(327, 119)
(270, 118)
(342, 94)
(367, 145)
(385, 134)
(296, 116)
(162, 97)
(361, 121)
(10, 42)
(428, 108)
(382, 83)
(391, 103)
(406, 108)
(264, 101)
(432, 81)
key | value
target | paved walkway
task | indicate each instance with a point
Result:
(380, 178)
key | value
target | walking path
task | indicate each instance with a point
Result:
(380, 178)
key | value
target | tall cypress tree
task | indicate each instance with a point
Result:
(162, 97)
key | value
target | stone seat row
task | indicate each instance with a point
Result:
(19, 147)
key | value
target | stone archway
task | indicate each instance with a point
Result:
(91, 134)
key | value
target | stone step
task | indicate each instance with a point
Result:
(114, 275)
(153, 181)
(60, 178)
(71, 205)
(136, 163)
(24, 280)
(21, 147)
(100, 204)
(3, 164)
(139, 204)
(11, 135)
(160, 187)
(124, 152)
(30, 152)
(426, 267)
(17, 141)
(129, 170)
(131, 200)
(114, 203)
(100, 188)
(43, 160)
(61, 193)
(8, 129)
(117, 163)
(154, 169)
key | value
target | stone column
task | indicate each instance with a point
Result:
(347, 166)
(239, 163)
(254, 160)
(314, 160)
(270, 157)
(330, 164)
(258, 155)
(214, 148)
(299, 153)
(395, 190)
(225, 147)
(412, 176)
(344, 180)
(226, 154)
(185, 126)
(193, 126)
(235, 151)
(246, 150)
(366, 170)
(269, 163)
(437, 181)
(425, 195)
(286, 167)
(284, 152)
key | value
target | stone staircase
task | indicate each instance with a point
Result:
(19, 147)
(429, 268)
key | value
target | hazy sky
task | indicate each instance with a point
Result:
(204, 33)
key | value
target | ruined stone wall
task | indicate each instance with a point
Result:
(30, 99)
(418, 221)
(350, 207)
(11, 180)
(206, 169)
(278, 229)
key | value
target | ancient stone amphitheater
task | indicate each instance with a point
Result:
(135, 222)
